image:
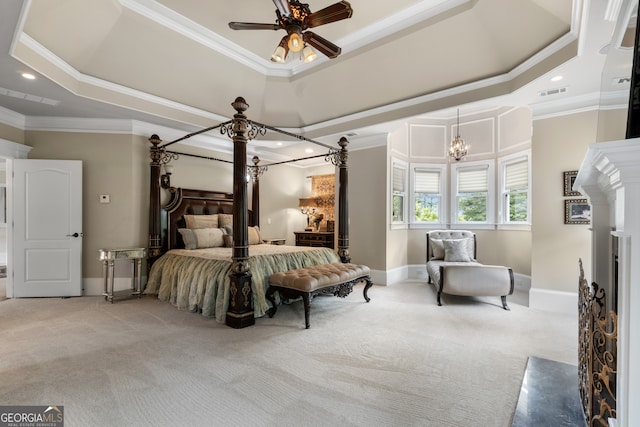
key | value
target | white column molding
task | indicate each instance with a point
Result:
(611, 171)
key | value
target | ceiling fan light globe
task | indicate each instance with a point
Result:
(279, 55)
(308, 54)
(295, 42)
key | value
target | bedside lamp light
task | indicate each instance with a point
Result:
(307, 207)
(165, 179)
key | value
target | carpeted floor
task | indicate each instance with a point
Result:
(399, 360)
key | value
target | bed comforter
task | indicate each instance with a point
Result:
(198, 280)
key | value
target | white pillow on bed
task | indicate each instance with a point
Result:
(202, 238)
(225, 220)
(201, 221)
(253, 237)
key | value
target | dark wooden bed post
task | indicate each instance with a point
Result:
(255, 172)
(240, 312)
(343, 203)
(155, 225)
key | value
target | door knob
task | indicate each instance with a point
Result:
(73, 235)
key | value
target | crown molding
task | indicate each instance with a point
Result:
(13, 119)
(162, 15)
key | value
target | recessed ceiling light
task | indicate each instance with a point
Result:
(556, 78)
(28, 76)
(279, 144)
(309, 150)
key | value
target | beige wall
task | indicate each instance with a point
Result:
(559, 144)
(612, 125)
(367, 207)
(11, 134)
(280, 188)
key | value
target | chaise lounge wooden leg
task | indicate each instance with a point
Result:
(504, 302)
(439, 302)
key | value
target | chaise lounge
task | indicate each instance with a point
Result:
(453, 268)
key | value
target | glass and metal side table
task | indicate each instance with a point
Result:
(109, 257)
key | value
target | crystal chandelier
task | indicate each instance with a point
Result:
(458, 148)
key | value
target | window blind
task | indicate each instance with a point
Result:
(517, 176)
(427, 182)
(474, 180)
(398, 180)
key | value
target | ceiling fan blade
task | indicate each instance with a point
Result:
(322, 44)
(283, 7)
(335, 12)
(253, 26)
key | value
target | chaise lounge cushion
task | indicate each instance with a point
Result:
(433, 268)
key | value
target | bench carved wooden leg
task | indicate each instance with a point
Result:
(366, 287)
(306, 299)
(269, 295)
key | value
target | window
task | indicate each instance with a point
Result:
(427, 195)
(472, 199)
(398, 186)
(515, 189)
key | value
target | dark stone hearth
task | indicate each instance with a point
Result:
(549, 395)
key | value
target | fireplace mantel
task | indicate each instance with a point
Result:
(610, 177)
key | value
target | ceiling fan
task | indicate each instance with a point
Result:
(295, 18)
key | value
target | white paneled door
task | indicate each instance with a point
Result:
(47, 228)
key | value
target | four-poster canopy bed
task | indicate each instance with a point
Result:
(230, 286)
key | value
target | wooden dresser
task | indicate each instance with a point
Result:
(315, 238)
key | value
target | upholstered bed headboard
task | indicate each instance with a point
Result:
(192, 202)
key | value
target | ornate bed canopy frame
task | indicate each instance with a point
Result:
(241, 130)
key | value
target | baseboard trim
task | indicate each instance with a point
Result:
(554, 301)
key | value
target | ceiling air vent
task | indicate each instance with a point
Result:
(620, 81)
(552, 91)
(27, 97)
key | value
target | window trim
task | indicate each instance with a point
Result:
(491, 218)
(399, 164)
(503, 162)
(442, 209)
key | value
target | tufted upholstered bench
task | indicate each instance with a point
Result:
(326, 279)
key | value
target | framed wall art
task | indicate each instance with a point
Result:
(569, 179)
(577, 211)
